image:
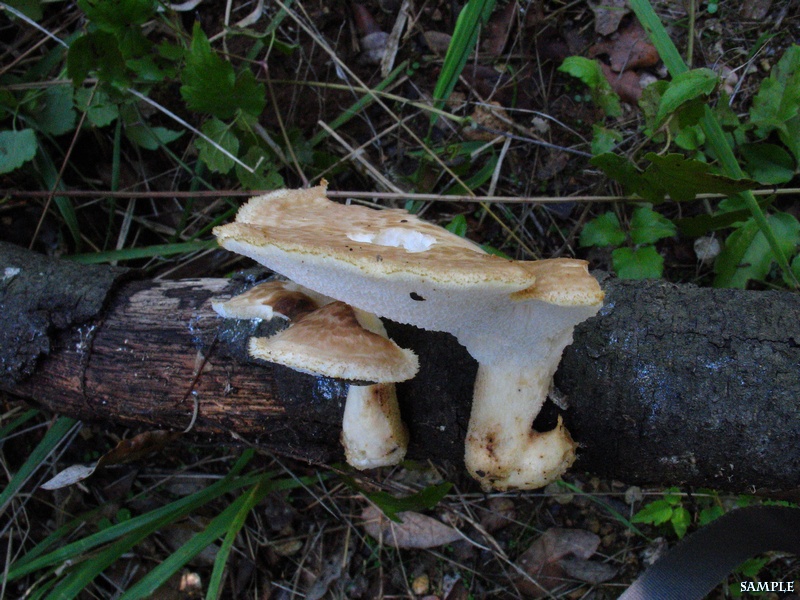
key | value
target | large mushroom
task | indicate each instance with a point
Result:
(514, 317)
(332, 339)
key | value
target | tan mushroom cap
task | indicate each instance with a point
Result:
(332, 342)
(395, 265)
(269, 299)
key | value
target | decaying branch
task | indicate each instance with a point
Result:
(668, 384)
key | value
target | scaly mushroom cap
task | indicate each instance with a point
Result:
(395, 265)
(333, 342)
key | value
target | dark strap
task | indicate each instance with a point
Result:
(695, 566)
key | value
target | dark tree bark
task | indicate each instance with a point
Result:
(668, 384)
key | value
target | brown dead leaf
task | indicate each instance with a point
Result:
(541, 559)
(416, 530)
(626, 84)
(498, 29)
(629, 49)
(608, 14)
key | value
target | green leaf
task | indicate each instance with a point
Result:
(710, 514)
(216, 159)
(674, 175)
(657, 512)
(752, 567)
(767, 163)
(590, 73)
(604, 140)
(683, 88)
(99, 108)
(425, 499)
(16, 148)
(602, 231)
(56, 115)
(151, 138)
(265, 175)
(211, 86)
(681, 519)
(778, 98)
(747, 254)
(637, 263)
(648, 226)
(790, 135)
(116, 16)
(457, 225)
(97, 52)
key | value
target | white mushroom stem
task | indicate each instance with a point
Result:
(373, 433)
(502, 451)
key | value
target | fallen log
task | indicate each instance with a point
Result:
(668, 384)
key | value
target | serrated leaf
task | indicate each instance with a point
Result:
(638, 263)
(602, 231)
(684, 88)
(632, 179)
(604, 139)
(681, 519)
(648, 226)
(590, 73)
(778, 97)
(115, 16)
(213, 155)
(56, 113)
(657, 512)
(674, 175)
(264, 176)
(211, 86)
(767, 163)
(16, 148)
(96, 52)
(684, 178)
(747, 254)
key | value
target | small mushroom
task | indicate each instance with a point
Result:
(332, 339)
(514, 317)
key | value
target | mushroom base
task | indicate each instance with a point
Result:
(502, 449)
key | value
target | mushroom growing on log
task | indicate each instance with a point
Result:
(514, 317)
(331, 339)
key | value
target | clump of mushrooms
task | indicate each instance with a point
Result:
(332, 339)
(514, 317)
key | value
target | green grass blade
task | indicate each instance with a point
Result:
(171, 511)
(715, 137)
(145, 587)
(143, 252)
(251, 499)
(358, 106)
(54, 436)
(465, 36)
(18, 422)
